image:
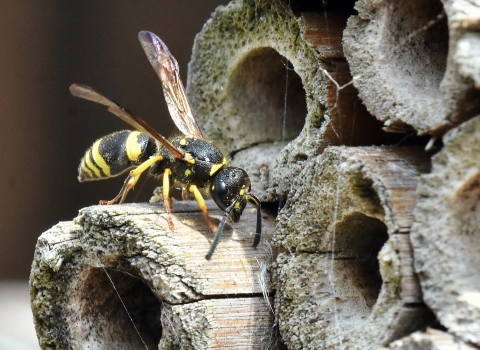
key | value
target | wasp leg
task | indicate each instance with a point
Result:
(203, 207)
(132, 179)
(166, 197)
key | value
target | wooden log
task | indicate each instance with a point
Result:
(431, 339)
(272, 87)
(346, 278)
(446, 233)
(415, 62)
(118, 271)
(264, 83)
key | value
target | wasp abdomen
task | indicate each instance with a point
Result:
(115, 153)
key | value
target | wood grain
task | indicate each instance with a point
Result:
(128, 249)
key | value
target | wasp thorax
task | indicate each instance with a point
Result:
(231, 185)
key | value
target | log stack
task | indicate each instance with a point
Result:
(329, 108)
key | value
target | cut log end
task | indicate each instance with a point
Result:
(445, 234)
(350, 271)
(120, 278)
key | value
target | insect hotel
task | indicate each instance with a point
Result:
(356, 124)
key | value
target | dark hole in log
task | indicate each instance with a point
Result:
(415, 54)
(362, 237)
(323, 5)
(269, 96)
(101, 319)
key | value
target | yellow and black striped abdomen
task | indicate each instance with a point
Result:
(115, 153)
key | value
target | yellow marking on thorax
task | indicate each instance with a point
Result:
(218, 166)
(133, 147)
(242, 192)
(91, 165)
(237, 205)
(183, 140)
(98, 159)
(187, 172)
(189, 159)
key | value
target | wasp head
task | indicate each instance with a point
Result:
(231, 186)
(230, 189)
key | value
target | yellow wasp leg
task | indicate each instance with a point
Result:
(203, 207)
(132, 179)
(166, 196)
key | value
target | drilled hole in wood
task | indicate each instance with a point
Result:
(260, 84)
(322, 6)
(101, 320)
(362, 237)
(415, 54)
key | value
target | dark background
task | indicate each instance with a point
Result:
(44, 47)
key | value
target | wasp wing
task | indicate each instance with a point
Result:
(87, 93)
(166, 68)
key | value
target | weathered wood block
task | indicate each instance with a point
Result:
(415, 62)
(431, 339)
(260, 81)
(446, 233)
(88, 273)
(346, 278)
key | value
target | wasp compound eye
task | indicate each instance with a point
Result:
(219, 192)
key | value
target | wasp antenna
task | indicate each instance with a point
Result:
(219, 232)
(258, 231)
(217, 237)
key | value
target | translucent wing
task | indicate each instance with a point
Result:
(166, 68)
(87, 93)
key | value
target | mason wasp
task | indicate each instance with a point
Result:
(187, 161)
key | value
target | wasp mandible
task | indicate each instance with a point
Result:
(187, 161)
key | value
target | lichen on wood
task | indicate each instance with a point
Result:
(260, 81)
(347, 271)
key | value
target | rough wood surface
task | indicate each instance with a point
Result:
(347, 271)
(260, 81)
(171, 292)
(446, 233)
(271, 86)
(230, 323)
(416, 62)
(431, 339)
